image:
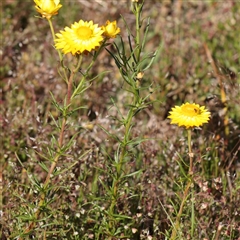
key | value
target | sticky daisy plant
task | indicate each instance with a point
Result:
(81, 39)
(132, 61)
(111, 30)
(188, 115)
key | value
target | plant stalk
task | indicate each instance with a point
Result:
(186, 191)
(58, 154)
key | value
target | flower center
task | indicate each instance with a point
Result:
(84, 33)
(191, 110)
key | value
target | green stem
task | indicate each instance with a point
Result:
(54, 37)
(192, 214)
(186, 191)
(177, 221)
(190, 153)
(58, 152)
(137, 9)
(59, 52)
(126, 140)
(120, 163)
(138, 32)
(88, 69)
(123, 148)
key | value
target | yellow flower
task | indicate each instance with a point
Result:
(48, 8)
(81, 37)
(189, 115)
(110, 29)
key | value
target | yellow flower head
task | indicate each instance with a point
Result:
(189, 115)
(47, 8)
(82, 37)
(110, 29)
